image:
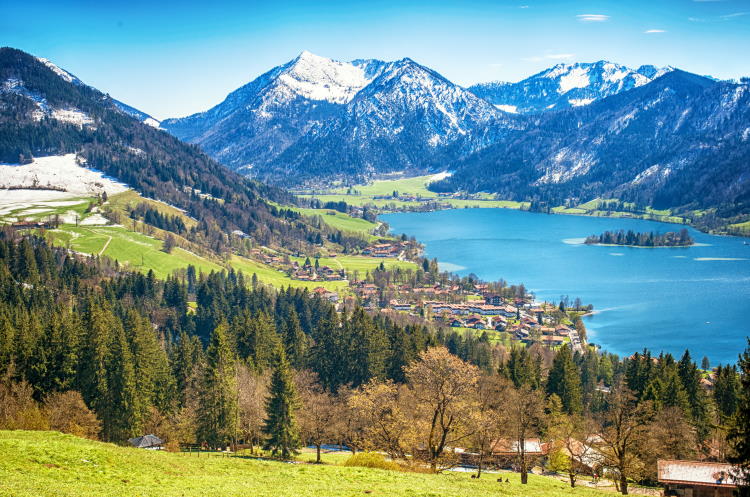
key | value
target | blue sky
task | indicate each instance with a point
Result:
(173, 58)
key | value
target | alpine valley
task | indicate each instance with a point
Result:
(658, 137)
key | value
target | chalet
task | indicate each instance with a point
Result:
(696, 478)
(383, 250)
(400, 306)
(508, 311)
(486, 309)
(493, 300)
(324, 293)
(553, 340)
(499, 323)
(532, 447)
(563, 330)
(457, 323)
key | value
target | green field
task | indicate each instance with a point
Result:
(271, 276)
(359, 263)
(135, 250)
(416, 185)
(341, 221)
(41, 464)
(361, 195)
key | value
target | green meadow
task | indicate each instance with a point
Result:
(42, 464)
(135, 250)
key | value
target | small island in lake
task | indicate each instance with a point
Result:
(650, 239)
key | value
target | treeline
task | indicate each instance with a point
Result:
(87, 348)
(646, 239)
(153, 217)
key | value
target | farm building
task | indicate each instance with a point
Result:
(696, 478)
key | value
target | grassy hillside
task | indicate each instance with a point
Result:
(42, 464)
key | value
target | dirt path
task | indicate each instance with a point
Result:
(105, 245)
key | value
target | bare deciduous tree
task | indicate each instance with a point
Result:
(252, 391)
(523, 419)
(624, 429)
(442, 385)
(319, 413)
(380, 407)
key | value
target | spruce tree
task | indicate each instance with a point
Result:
(280, 425)
(218, 414)
(739, 433)
(123, 414)
(565, 381)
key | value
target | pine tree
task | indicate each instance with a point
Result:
(565, 381)
(218, 414)
(739, 433)
(280, 425)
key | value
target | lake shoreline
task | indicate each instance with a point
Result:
(653, 291)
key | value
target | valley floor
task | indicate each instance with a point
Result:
(43, 464)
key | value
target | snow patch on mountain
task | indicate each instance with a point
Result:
(577, 77)
(72, 116)
(65, 75)
(510, 109)
(318, 78)
(59, 172)
(577, 102)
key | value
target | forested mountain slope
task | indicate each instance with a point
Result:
(44, 111)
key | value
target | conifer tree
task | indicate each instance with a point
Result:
(218, 414)
(124, 411)
(739, 433)
(565, 381)
(280, 426)
(726, 392)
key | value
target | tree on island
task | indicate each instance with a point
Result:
(646, 239)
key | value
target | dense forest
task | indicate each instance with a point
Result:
(90, 349)
(647, 239)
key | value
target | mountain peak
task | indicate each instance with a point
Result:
(567, 85)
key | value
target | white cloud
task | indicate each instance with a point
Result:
(523, 6)
(549, 56)
(725, 17)
(654, 31)
(592, 17)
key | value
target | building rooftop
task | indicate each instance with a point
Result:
(695, 473)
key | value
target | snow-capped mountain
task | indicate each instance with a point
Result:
(364, 116)
(682, 140)
(566, 85)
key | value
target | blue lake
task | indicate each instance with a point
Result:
(665, 299)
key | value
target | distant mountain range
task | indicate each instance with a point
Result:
(681, 140)
(658, 136)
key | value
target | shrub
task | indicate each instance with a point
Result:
(67, 412)
(371, 460)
